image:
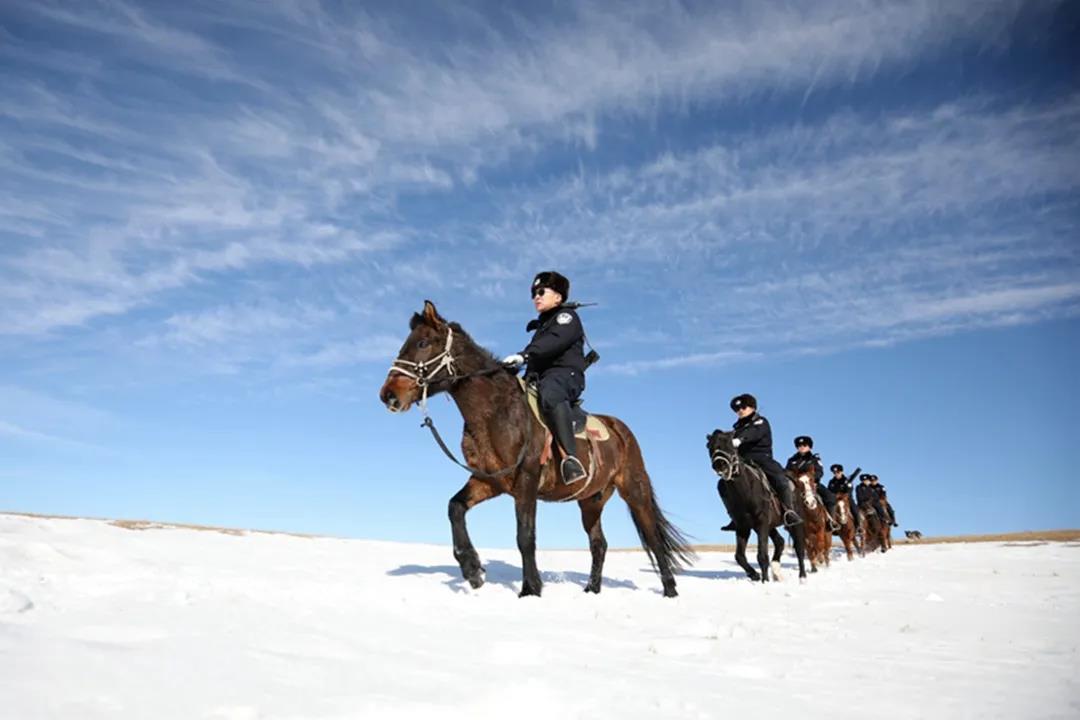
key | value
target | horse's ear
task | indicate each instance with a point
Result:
(415, 320)
(431, 315)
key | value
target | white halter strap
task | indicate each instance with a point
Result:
(424, 372)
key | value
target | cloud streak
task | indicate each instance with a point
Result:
(198, 195)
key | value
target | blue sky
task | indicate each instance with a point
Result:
(217, 218)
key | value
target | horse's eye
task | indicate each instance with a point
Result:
(422, 344)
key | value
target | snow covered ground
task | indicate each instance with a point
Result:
(102, 622)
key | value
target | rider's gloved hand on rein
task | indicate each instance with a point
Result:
(515, 360)
(736, 442)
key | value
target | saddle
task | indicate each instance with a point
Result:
(764, 479)
(586, 426)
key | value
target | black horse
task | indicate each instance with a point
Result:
(754, 506)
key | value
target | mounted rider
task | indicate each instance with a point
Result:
(869, 499)
(883, 500)
(556, 357)
(753, 440)
(804, 460)
(840, 483)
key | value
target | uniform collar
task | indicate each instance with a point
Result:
(549, 313)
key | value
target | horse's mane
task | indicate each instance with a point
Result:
(487, 358)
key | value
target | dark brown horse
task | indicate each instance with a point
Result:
(505, 448)
(754, 508)
(846, 531)
(815, 519)
(875, 532)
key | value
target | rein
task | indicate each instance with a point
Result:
(424, 372)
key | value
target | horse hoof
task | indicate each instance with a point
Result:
(775, 567)
(476, 580)
(754, 576)
(590, 588)
(671, 592)
(529, 592)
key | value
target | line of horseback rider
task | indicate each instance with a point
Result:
(555, 357)
(753, 440)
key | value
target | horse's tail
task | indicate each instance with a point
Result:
(671, 544)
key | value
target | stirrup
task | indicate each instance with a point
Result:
(729, 527)
(572, 470)
(788, 523)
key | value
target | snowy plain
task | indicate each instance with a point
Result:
(99, 621)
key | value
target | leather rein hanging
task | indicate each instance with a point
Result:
(424, 373)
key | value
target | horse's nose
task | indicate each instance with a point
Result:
(388, 398)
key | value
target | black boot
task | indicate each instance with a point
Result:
(830, 513)
(571, 468)
(787, 501)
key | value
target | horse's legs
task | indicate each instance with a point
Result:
(798, 537)
(763, 550)
(474, 492)
(826, 542)
(778, 544)
(525, 507)
(591, 509)
(778, 551)
(742, 535)
(663, 542)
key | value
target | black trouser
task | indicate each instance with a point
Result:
(828, 498)
(889, 511)
(777, 478)
(558, 388)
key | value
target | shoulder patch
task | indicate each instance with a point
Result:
(758, 421)
(564, 318)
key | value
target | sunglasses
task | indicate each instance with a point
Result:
(539, 292)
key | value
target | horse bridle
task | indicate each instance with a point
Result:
(730, 460)
(421, 373)
(424, 372)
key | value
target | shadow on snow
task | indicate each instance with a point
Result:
(502, 573)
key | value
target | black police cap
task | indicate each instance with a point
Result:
(745, 400)
(804, 440)
(554, 281)
(836, 467)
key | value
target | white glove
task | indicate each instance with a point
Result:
(736, 442)
(515, 359)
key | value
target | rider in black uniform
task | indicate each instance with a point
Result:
(753, 440)
(555, 355)
(802, 460)
(840, 483)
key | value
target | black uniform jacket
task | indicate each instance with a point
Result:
(558, 342)
(801, 462)
(840, 485)
(755, 435)
(865, 494)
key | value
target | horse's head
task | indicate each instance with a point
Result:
(722, 452)
(424, 361)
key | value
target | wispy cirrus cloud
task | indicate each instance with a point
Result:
(185, 165)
